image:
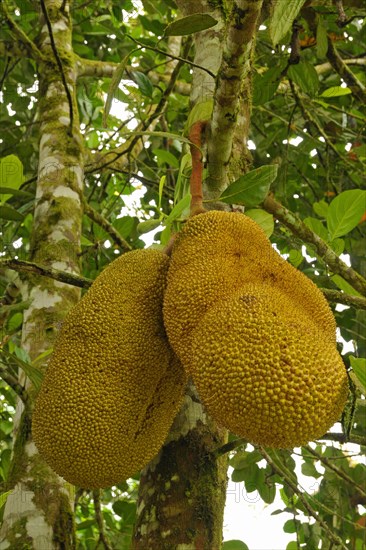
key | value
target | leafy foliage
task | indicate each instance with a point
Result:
(306, 130)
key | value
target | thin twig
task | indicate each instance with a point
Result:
(298, 228)
(106, 225)
(293, 486)
(354, 84)
(342, 438)
(100, 522)
(340, 473)
(162, 52)
(56, 274)
(59, 63)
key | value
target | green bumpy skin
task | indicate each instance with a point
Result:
(113, 385)
(264, 372)
(214, 255)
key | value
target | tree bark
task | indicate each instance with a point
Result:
(39, 511)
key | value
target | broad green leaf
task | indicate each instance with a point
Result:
(335, 91)
(358, 365)
(19, 193)
(11, 175)
(360, 151)
(295, 257)
(200, 111)
(308, 469)
(161, 187)
(316, 225)
(14, 322)
(305, 76)
(283, 16)
(166, 157)
(321, 39)
(189, 25)
(343, 285)
(234, 545)
(321, 208)
(263, 218)
(148, 225)
(264, 86)
(85, 524)
(289, 526)
(267, 491)
(178, 209)
(7, 212)
(252, 188)
(3, 498)
(125, 509)
(143, 82)
(34, 374)
(345, 212)
(293, 545)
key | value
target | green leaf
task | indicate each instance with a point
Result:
(11, 175)
(316, 225)
(358, 365)
(335, 91)
(267, 491)
(289, 526)
(166, 157)
(295, 257)
(321, 39)
(234, 545)
(3, 498)
(345, 212)
(178, 209)
(22, 194)
(263, 218)
(189, 25)
(305, 76)
(343, 285)
(126, 510)
(148, 225)
(308, 469)
(34, 374)
(293, 545)
(321, 208)
(143, 82)
(9, 213)
(200, 111)
(85, 524)
(14, 322)
(283, 16)
(338, 246)
(252, 188)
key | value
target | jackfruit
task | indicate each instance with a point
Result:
(214, 255)
(113, 385)
(264, 372)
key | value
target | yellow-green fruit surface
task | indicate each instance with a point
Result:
(214, 255)
(264, 372)
(113, 385)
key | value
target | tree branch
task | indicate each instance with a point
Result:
(100, 522)
(106, 225)
(23, 39)
(338, 297)
(299, 229)
(235, 66)
(343, 438)
(340, 473)
(14, 384)
(59, 63)
(355, 85)
(56, 274)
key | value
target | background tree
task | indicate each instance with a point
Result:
(280, 88)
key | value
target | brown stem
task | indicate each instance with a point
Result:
(195, 136)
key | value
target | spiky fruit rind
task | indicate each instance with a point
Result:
(264, 372)
(113, 385)
(214, 255)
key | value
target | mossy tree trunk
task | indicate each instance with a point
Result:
(39, 511)
(182, 491)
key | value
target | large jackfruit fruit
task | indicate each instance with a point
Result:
(113, 385)
(213, 256)
(256, 335)
(265, 372)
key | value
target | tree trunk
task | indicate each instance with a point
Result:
(182, 492)
(39, 511)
